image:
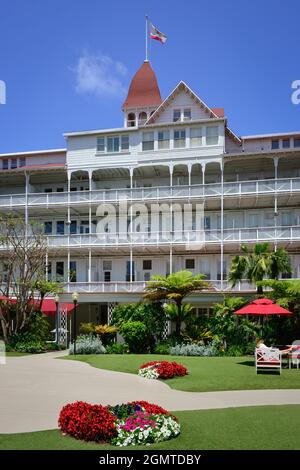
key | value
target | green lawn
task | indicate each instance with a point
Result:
(265, 427)
(16, 354)
(205, 373)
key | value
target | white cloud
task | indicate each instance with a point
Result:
(100, 75)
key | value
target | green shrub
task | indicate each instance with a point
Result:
(117, 348)
(88, 344)
(135, 335)
(152, 316)
(33, 337)
(163, 347)
(236, 351)
(30, 346)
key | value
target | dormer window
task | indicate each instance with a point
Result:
(131, 120)
(142, 118)
(176, 115)
(187, 114)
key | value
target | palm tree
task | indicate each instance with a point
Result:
(175, 287)
(258, 264)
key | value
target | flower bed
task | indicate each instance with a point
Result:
(162, 370)
(126, 424)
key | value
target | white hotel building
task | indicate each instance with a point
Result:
(172, 151)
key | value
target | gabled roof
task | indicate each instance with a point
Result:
(143, 90)
(181, 86)
(217, 113)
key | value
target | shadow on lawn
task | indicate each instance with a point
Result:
(251, 364)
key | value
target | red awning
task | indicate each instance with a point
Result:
(49, 307)
(263, 307)
(7, 299)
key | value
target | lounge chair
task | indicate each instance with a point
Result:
(267, 358)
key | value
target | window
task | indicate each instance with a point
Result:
(5, 164)
(147, 276)
(60, 228)
(14, 163)
(176, 115)
(196, 137)
(205, 268)
(125, 142)
(22, 161)
(206, 223)
(73, 227)
(163, 139)
(147, 264)
(142, 118)
(189, 264)
(179, 139)
(100, 144)
(84, 226)
(72, 271)
(130, 269)
(219, 271)
(59, 270)
(107, 276)
(296, 142)
(286, 143)
(107, 265)
(131, 120)
(73, 188)
(148, 141)
(286, 218)
(48, 190)
(48, 228)
(212, 135)
(275, 144)
(253, 220)
(187, 114)
(59, 190)
(113, 144)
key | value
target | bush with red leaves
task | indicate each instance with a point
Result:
(88, 422)
(167, 369)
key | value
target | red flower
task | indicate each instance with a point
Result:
(88, 422)
(167, 369)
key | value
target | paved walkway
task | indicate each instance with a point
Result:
(34, 388)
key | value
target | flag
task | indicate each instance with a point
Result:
(156, 34)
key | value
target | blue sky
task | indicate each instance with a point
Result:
(67, 63)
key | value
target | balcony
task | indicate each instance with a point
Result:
(138, 287)
(236, 236)
(242, 188)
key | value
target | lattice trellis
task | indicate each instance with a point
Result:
(62, 326)
(110, 308)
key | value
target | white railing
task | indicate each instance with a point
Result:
(153, 193)
(139, 286)
(191, 239)
(241, 235)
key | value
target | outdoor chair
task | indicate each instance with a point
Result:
(294, 356)
(267, 358)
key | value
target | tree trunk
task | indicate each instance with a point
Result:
(259, 290)
(4, 329)
(178, 321)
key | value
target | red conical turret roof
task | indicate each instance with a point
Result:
(143, 90)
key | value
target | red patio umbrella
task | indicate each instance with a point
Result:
(263, 307)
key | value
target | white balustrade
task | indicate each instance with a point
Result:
(154, 193)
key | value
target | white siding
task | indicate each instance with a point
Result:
(183, 100)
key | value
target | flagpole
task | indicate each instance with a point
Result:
(146, 60)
